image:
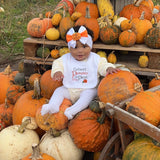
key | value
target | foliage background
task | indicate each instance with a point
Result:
(13, 23)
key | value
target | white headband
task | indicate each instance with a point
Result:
(82, 35)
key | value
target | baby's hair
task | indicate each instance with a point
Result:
(76, 28)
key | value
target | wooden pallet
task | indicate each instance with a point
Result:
(130, 60)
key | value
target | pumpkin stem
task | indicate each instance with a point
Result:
(102, 117)
(87, 12)
(22, 127)
(137, 3)
(37, 93)
(36, 152)
(7, 70)
(157, 76)
(142, 15)
(54, 132)
(41, 16)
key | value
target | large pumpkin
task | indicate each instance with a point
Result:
(142, 148)
(141, 26)
(118, 86)
(90, 23)
(37, 27)
(136, 10)
(146, 105)
(57, 121)
(48, 85)
(6, 79)
(93, 9)
(89, 130)
(28, 104)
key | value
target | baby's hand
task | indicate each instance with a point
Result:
(111, 70)
(58, 76)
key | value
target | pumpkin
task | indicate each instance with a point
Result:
(155, 81)
(57, 17)
(37, 155)
(90, 23)
(102, 54)
(63, 51)
(28, 104)
(65, 24)
(21, 66)
(6, 110)
(6, 79)
(48, 85)
(14, 92)
(152, 37)
(126, 24)
(146, 105)
(43, 52)
(141, 26)
(76, 15)
(48, 14)
(143, 60)
(142, 148)
(60, 146)
(37, 27)
(55, 53)
(119, 86)
(109, 34)
(32, 77)
(19, 79)
(135, 10)
(65, 5)
(148, 3)
(52, 34)
(16, 141)
(127, 38)
(112, 58)
(93, 9)
(90, 130)
(57, 121)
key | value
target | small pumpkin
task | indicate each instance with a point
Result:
(155, 81)
(76, 15)
(126, 24)
(143, 60)
(43, 52)
(90, 130)
(102, 54)
(57, 17)
(52, 34)
(56, 121)
(112, 58)
(32, 77)
(55, 53)
(63, 51)
(48, 14)
(118, 86)
(37, 27)
(127, 38)
(37, 155)
(19, 79)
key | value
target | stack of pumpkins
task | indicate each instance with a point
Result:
(23, 125)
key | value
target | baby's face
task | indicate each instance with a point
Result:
(81, 51)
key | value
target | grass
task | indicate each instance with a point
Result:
(14, 20)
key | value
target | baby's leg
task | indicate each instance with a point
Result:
(56, 100)
(85, 98)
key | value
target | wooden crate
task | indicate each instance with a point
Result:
(154, 60)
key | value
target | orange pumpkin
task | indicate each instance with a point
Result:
(48, 85)
(146, 105)
(93, 9)
(48, 14)
(148, 3)
(55, 53)
(14, 92)
(135, 10)
(37, 155)
(155, 81)
(6, 110)
(90, 23)
(57, 121)
(119, 86)
(28, 104)
(6, 79)
(90, 130)
(37, 26)
(32, 78)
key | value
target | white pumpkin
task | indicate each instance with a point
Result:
(61, 147)
(119, 20)
(16, 143)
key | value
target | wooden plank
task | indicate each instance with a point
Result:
(97, 45)
(135, 122)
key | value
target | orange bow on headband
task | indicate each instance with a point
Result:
(76, 36)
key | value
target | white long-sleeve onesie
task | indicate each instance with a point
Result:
(80, 97)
